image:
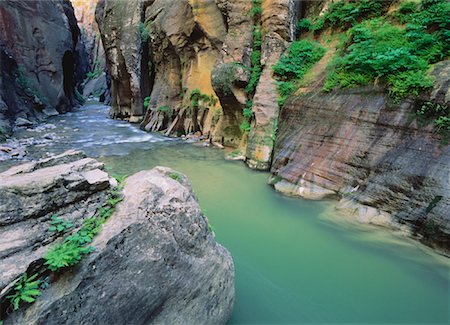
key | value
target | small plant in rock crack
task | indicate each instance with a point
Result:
(175, 176)
(26, 289)
(59, 225)
(65, 254)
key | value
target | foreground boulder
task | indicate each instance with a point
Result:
(70, 186)
(155, 261)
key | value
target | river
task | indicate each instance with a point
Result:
(295, 261)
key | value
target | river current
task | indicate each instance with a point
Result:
(296, 263)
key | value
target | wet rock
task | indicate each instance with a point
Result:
(155, 261)
(20, 121)
(49, 111)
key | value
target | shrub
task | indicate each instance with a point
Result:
(378, 50)
(304, 25)
(293, 65)
(26, 289)
(255, 60)
(224, 78)
(245, 126)
(408, 83)
(405, 11)
(298, 59)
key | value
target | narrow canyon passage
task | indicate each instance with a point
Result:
(295, 263)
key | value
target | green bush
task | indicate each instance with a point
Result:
(304, 25)
(164, 109)
(66, 254)
(245, 126)
(292, 66)
(176, 176)
(255, 60)
(224, 77)
(345, 14)
(378, 50)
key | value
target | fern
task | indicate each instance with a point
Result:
(64, 255)
(59, 225)
(26, 289)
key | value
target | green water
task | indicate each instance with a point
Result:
(295, 262)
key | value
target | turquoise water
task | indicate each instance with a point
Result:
(296, 262)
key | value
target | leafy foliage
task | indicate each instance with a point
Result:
(71, 251)
(255, 60)
(224, 77)
(378, 50)
(28, 85)
(95, 73)
(147, 102)
(143, 32)
(67, 254)
(439, 114)
(164, 109)
(343, 15)
(26, 289)
(245, 126)
(59, 225)
(175, 176)
(293, 65)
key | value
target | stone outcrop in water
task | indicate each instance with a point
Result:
(358, 147)
(41, 60)
(155, 259)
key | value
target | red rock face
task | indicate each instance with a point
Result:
(359, 146)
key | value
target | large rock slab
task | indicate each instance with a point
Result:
(155, 261)
(68, 185)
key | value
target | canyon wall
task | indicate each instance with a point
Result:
(372, 155)
(192, 60)
(42, 60)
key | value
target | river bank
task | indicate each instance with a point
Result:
(295, 261)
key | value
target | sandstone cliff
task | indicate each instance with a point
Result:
(172, 52)
(155, 260)
(42, 60)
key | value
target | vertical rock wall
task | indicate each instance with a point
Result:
(42, 59)
(278, 19)
(119, 23)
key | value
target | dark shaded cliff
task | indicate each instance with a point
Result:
(42, 60)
